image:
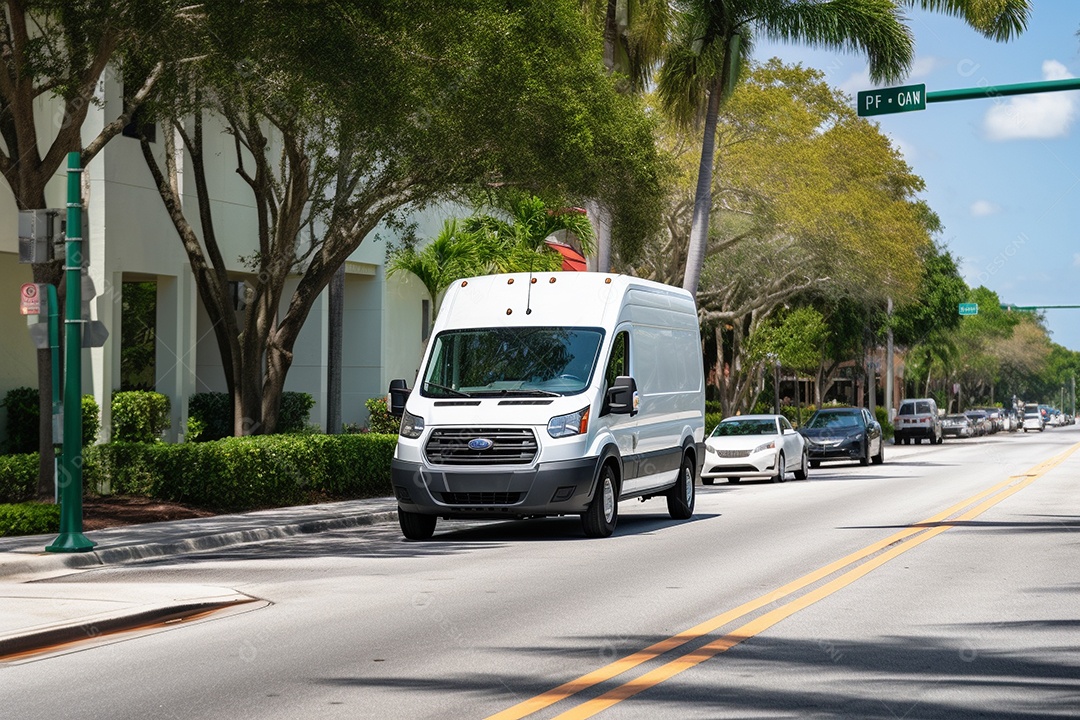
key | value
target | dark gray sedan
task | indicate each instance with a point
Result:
(844, 433)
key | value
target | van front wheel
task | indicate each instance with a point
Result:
(416, 526)
(599, 520)
(680, 499)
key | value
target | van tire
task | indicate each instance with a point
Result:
(416, 526)
(680, 499)
(603, 512)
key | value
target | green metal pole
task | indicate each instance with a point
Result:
(71, 538)
(1027, 88)
(54, 350)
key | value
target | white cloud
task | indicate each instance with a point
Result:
(1047, 115)
(923, 66)
(982, 208)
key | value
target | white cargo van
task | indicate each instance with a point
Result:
(552, 394)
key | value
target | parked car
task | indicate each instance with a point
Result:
(1032, 419)
(754, 446)
(845, 433)
(917, 419)
(980, 421)
(993, 414)
(958, 426)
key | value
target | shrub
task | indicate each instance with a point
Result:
(22, 420)
(214, 411)
(18, 477)
(791, 412)
(883, 420)
(713, 406)
(712, 420)
(294, 411)
(29, 519)
(379, 418)
(22, 407)
(139, 416)
(91, 420)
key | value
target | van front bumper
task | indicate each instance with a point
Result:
(561, 487)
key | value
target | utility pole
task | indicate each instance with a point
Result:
(71, 538)
(889, 381)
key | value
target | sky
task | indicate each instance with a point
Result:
(1002, 173)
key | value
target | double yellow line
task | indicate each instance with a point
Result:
(865, 560)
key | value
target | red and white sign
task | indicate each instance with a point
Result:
(30, 299)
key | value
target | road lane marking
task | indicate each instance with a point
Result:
(925, 529)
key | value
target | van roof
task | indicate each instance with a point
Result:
(550, 298)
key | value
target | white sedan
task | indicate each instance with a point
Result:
(754, 446)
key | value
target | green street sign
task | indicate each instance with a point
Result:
(969, 308)
(887, 101)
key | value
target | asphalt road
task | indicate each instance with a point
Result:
(944, 583)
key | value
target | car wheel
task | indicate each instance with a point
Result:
(680, 499)
(880, 457)
(708, 481)
(815, 464)
(802, 472)
(416, 526)
(780, 466)
(603, 512)
(918, 441)
(734, 480)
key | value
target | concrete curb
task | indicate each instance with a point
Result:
(20, 564)
(54, 637)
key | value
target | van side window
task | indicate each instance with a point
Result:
(618, 364)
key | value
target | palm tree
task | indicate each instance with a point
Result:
(484, 244)
(711, 40)
(712, 37)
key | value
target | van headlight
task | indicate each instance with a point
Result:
(575, 423)
(412, 426)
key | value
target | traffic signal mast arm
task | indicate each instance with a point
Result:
(1002, 90)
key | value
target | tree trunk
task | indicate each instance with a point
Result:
(699, 227)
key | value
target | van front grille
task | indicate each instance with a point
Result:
(508, 446)
(480, 498)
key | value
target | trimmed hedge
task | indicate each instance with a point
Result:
(139, 416)
(712, 419)
(214, 411)
(29, 519)
(235, 474)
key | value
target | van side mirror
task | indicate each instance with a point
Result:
(399, 393)
(622, 396)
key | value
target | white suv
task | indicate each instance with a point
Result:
(1031, 418)
(917, 419)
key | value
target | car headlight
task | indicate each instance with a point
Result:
(575, 423)
(859, 438)
(412, 426)
(766, 446)
(711, 449)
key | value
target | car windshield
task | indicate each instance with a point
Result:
(745, 427)
(955, 418)
(834, 420)
(511, 361)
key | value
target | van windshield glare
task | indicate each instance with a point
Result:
(508, 361)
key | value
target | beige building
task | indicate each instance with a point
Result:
(131, 239)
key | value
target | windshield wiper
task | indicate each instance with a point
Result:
(450, 390)
(524, 392)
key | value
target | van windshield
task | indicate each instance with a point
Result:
(507, 361)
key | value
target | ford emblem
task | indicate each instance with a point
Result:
(480, 444)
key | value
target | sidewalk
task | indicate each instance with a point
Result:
(35, 614)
